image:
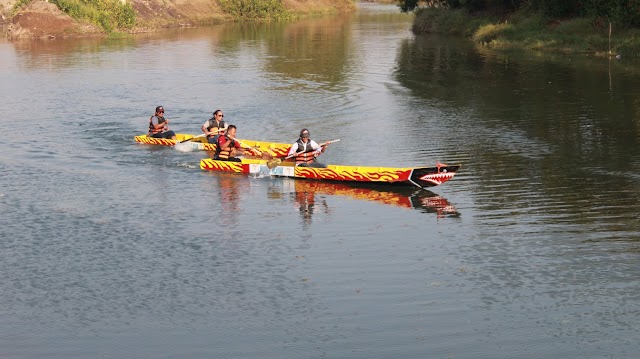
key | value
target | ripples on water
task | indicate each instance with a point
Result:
(111, 248)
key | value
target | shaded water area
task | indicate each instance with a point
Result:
(114, 249)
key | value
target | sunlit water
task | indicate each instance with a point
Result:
(114, 249)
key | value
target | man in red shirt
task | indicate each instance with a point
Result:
(228, 147)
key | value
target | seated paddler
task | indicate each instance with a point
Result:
(305, 151)
(214, 126)
(159, 126)
(227, 147)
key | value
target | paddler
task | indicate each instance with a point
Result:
(159, 126)
(214, 126)
(227, 146)
(305, 150)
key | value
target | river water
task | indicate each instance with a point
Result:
(114, 249)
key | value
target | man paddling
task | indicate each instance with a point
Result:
(159, 126)
(305, 151)
(228, 147)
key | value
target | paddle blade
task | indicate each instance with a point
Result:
(274, 163)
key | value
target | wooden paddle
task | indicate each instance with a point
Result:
(277, 161)
(193, 138)
(264, 155)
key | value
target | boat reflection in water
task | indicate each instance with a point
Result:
(304, 195)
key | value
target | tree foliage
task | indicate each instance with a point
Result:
(621, 12)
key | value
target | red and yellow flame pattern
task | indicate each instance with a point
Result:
(432, 202)
(361, 193)
(225, 166)
(275, 149)
(343, 173)
(154, 141)
(354, 173)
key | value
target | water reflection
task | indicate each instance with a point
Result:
(227, 189)
(54, 55)
(542, 132)
(310, 197)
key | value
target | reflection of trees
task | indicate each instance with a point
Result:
(563, 124)
(67, 53)
(315, 50)
(554, 159)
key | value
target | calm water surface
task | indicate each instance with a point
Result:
(114, 249)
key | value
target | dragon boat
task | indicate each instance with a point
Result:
(200, 143)
(422, 177)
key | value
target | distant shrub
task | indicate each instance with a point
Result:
(110, 15)
(444, 21)
(255, 9)
(630, 46)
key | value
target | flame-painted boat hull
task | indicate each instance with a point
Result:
(200, 144)
(422, 177)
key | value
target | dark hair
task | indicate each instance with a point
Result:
(303, 130)
(159, 108)
(230, 127)
(216, 111)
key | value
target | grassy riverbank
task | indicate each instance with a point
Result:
(530, 30)
(93, 17)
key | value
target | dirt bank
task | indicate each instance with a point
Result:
(43, 20)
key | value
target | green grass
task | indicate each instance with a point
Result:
(110, 15)
(531, 31)
(489, 32)
(444, 21)
(256, 9)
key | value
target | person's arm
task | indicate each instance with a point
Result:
(318, 149)
(238, 147)
(204, 128)
(293, 150)
(224, 143)
(159, 126)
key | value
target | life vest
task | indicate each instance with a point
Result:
(214, 124)
(306, 156)
(224, 154)
(152, 129)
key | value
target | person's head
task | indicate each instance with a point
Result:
(304, 134)
(218, 115)
(160, 110)
(231, 130)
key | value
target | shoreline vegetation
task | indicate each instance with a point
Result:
(49, 19)
(595, 27)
